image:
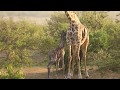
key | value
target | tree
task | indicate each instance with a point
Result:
(17, 39)
(55, 25)
(93, 19)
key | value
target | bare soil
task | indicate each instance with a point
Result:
(41, 73)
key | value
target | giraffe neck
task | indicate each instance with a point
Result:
(61, 45)
(62, 42)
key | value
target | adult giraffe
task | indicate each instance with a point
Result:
(76, 37)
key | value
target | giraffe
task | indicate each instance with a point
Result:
(56, 55)
(76, 37)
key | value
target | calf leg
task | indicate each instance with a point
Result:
(49, 67)
(57, 66)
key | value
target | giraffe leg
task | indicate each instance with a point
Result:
(63, 66)
(69, 61)
(84, 50)
(74, 58)
(72, 68)
(57, 66)
(49, 67)
(86, 72)
(78, 62)
(84, 57)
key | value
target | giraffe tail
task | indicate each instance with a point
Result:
(85, 37)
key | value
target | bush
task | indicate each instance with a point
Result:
(17, 39)
(98, 41)
(11, 73)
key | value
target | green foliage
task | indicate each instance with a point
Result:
(47, 44)
(11, 73)
(98, 41)
(105, 60)
(56, 24)
(51, 38)
(93, 19)
(17, 39)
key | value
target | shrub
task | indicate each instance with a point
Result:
(11, 73)
(98, 41)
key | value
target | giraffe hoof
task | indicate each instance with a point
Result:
(87, 76)
(69, 76)
(79, 77)
(66, 77)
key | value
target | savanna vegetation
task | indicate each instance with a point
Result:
(22, 42)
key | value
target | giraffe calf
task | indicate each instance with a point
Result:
(57, 55)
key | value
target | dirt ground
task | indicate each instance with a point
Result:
(41, 73)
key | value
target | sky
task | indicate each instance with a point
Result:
(41, 16)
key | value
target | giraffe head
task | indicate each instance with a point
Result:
(72, 17)
(69, 14)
